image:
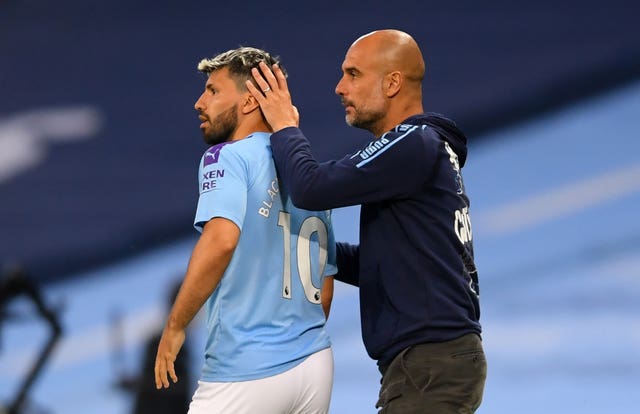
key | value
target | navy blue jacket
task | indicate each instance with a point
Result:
(414, 265)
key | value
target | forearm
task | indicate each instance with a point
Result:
(395, 169)
(300, 171)
(348, 262)
(209, 259)
(326, 295)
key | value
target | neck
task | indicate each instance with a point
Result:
(247, 127)
(395, 117)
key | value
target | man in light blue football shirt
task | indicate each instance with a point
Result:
(260, 264)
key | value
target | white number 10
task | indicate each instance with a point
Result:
(303, 252)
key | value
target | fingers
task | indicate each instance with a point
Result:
(172, 372)
(161, 373)
(281, 79)
(272, 94)
(254, 91)
(267, 74)
(168, 348)
(259, 95)
(164, 366)
(260, 80)
(268, 79)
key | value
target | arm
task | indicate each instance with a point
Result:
(211, 256)
(348, 263)
(326, 295)
(395, 165)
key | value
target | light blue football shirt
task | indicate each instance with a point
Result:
(265, 316)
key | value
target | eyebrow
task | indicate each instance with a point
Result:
(348, 69)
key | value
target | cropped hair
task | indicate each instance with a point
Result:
(239, 61)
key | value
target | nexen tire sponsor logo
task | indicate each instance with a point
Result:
(210, 180)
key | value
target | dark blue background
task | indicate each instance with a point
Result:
(134, 184)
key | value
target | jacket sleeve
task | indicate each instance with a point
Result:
(347, 256)
(393, 166)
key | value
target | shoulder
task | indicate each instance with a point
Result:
(213, 155)
(409, 135)
(424, 132)
(404, 139)
(418, 138)
(241, 151)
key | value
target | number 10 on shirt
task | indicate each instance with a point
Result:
(303, 253)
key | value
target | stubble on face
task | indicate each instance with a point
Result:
(366, 103)
(365, 116)
(222, 127)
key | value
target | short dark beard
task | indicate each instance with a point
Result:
(222, 127)
(367, 120)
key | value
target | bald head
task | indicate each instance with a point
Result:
(381, 82)
(393, 50)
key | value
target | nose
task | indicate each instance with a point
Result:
(198, 105)
(339, 89)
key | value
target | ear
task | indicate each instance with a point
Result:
(392, 83)
(249, 104)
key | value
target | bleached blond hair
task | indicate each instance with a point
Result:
(239, 61)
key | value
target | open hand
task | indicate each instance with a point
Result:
(274, 97)
(168, 348)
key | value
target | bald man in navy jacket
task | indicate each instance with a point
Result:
(414, 265)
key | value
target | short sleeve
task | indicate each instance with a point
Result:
(223, 184)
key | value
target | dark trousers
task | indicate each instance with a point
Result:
(435, 378)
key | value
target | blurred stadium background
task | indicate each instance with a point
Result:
(99, 145)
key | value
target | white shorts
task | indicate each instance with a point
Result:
(304, 389)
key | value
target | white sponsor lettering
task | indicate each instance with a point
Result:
(272, 192)
(373, 147)
(462, 225)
